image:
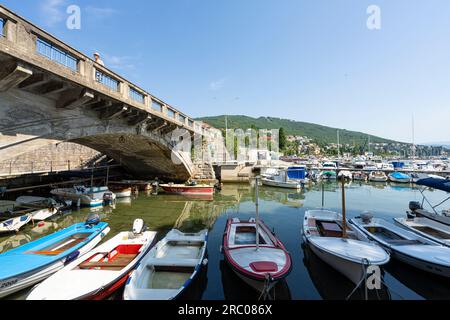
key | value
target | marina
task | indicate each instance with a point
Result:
(281, 209)
(109, 192)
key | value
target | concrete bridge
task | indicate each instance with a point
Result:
(50, 92)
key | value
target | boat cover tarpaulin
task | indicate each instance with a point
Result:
(439, 184)
(296, 173)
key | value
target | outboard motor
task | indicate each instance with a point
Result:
(108, 198)
(92, 220)
(139, 226)
(366, 217)
(414, 205)
(155, 187)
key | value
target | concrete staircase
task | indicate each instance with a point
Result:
(203, 171)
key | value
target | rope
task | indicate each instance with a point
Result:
(265, 293)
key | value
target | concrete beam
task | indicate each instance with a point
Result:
(33, 81)
(99, 105)
(137, 120)
(16, 77)
(113, 112)
(53, 87)
(168, 128)
(164, 124)
(73, 99)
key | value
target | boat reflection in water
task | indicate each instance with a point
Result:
(331, 285)
(426, 285)
(235, 289)
(197, 287)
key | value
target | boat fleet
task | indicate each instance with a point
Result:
(297, 176)
(75, 263)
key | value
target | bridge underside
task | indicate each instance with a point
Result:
(141, 156)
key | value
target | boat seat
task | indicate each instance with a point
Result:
(47, 253)
(171, 262)
(264, 266)
(312, 223)
(120, 262)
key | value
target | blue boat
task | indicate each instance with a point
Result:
(297, 173)
(33, 262)
(399, 177)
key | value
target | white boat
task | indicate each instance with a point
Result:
(122, 191)
(90, 197)
(378, 176)
(345, 174)
(281, 180)
(406, 246)
(272, 182)
(350, 255)
(14, 224)
(438, 232)
(169, 268)
(100, 272)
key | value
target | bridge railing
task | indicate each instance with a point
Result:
(27, 42)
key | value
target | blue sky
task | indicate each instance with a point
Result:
(306, 60)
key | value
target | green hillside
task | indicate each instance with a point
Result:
(320, 134)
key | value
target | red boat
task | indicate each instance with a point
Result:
(259, 265)
(197, 190)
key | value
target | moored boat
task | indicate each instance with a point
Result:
(359, 176)
(101, 272)
(182, 189)
(169, 268)
(328, 175)
(121, 191)
(435, 231)
(348, 253)
(259, 265)
(15, 224)
(90, 197)
(406, 246)
(399, 177)
(416, 208)
(35, 261)
(378, 176)
(345, 174)
(280, 182)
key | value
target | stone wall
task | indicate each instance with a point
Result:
(58, 157)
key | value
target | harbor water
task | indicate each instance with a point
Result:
(282, 210)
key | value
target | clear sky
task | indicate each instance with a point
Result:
(306, 60)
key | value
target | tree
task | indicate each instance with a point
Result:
(282, 137)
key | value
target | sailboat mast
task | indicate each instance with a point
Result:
(413, 140)
(344, 214)
(257, 211)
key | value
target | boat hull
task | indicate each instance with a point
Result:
(351, 270)
(279, 184)
(188, 190)
(26, 280)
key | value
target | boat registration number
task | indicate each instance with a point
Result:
(8, 283)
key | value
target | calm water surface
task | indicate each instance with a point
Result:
(282, 210)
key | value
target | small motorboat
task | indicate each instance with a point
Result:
(341, 246)
(399, 177)
(35, 261)
(280, 182)
(416, 208)
(169, 268)
(359, 176)
(101, 272)
(378, 176)
(260, 265)
(254, 253)
(327, 175)
(406, 246)
(89, 197)
(345, 174)
(188, 189)
(438, 232)
(121, 191)
(45, 207)
(14, 224)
